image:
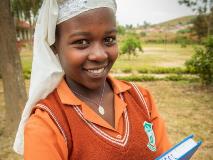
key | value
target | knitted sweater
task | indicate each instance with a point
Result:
(86, 141)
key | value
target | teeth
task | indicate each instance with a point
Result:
(97, 71)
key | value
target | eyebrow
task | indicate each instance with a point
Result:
(114, 30)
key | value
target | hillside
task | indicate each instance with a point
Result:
(178, 21)
(174, 30)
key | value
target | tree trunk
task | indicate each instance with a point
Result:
(210, 23)
(10, 67)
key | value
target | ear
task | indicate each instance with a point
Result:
(54, 48)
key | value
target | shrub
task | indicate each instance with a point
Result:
(174, 77)
(130, 45)
(163, 70)
(202, 62)
(138, 78)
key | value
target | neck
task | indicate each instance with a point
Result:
(87, 92)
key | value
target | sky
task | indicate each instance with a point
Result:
(152, 11)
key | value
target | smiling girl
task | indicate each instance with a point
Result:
(75, 109)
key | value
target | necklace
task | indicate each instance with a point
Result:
(100, 107)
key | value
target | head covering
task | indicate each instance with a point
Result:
(46, 68)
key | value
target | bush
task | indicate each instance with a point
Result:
(163, 70)
(121, 30)
(180, 78)
(130, 45)
(138, 78)
(202, 62)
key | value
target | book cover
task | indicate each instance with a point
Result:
(182, 151)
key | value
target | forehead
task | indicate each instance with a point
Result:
(100, 18)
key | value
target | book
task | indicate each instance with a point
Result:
(181, 151)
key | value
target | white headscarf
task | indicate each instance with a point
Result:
(46, 68)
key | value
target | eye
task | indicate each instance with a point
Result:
(82, 43)
(109, 41)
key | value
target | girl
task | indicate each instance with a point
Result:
(75, 109)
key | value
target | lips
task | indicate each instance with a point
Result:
(97, 71)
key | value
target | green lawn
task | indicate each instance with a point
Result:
(156, 55)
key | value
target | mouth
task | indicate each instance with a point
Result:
(97, 72)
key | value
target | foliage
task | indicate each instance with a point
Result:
(164, 70)
(202, 6)
(182, 40)
(138, 78)
(200, 26)
(130, 45)
(203, 24)
(129, 26)
(202, 62)
(179, 77)
(146, 24)
(175, 77)
(156, 70)
(25, 9)
(121, 30)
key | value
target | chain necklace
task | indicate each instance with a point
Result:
(100, 107)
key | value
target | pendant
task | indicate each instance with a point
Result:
(101, 110)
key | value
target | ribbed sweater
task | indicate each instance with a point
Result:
(87, 142)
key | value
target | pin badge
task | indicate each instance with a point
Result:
(150, 134)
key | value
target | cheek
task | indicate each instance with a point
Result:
(114, 53)
(72, 58)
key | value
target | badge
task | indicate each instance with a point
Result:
(151, 136)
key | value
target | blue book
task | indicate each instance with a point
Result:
(182, 151)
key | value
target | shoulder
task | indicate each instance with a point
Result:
(137, 87)
(38, 127)
(141, 95)
(41, 119)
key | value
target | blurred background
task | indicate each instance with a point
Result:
(165, 46)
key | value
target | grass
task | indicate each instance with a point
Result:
(186, 107)
(156, 55)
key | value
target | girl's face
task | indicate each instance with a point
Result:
(87, 48)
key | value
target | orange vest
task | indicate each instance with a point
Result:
(86, 141)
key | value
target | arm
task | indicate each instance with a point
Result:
(42, 139)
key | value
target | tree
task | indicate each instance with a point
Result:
(205, 11)
(130, 45)
(200, 26)
(146, 24)
(121, 29)
(10, 67)
(26, 10)
(202, 62)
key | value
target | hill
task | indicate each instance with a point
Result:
(186, 20)
(174, 31)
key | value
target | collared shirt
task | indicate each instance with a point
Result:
(68, 97)
(41, 126)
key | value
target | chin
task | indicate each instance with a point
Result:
(95, 83)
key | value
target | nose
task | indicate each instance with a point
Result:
(98, 53)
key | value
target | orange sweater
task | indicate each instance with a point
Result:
(88, 141)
